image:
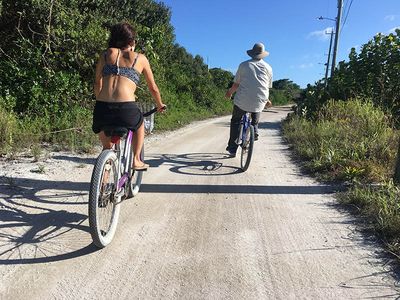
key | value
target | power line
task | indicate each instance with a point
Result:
(347, 13)
(345, 6)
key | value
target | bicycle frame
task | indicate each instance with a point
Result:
(123, 161)
(245, 123)
(124, 157)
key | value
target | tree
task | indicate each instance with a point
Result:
(221, 78)
(284, 91)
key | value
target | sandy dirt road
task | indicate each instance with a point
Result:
(199, 229)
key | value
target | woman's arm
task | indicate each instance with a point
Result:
(98, 81)
(153, 88)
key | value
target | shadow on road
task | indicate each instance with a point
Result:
(197, 164)
(40, 221)
(236, 189)
(270, 125)
(76, 159)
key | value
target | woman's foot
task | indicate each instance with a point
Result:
(140, 167)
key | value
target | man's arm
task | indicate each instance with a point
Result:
(233, 89)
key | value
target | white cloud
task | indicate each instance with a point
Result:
(306, 66)
(302, 66)
(322, 35)
(390, 18)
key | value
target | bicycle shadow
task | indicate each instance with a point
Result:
(216, 164)
(197, 164)
(40, 224)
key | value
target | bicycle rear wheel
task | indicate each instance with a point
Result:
(103, 207)
(136, 178)
(247, 148)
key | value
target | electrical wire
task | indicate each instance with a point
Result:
(347, 13)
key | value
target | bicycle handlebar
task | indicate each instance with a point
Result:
(146, 114)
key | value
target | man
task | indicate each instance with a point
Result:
(251, 84)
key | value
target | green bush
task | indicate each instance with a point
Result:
(373, 73)
(351, 140)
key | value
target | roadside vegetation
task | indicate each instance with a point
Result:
(347, 131)
(48, 53)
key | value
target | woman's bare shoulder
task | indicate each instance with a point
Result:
(142, 59)
(112, 50)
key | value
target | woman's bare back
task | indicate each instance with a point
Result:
(117, 88)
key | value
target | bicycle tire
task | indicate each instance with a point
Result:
(136, 178)
(247, 149)
(103, 206)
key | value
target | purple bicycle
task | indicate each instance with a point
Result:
(113, 180)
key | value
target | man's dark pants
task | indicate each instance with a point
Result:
(237, 115)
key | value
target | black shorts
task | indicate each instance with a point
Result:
(124, 114)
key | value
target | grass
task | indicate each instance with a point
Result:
(351, 141)
(381, 206)
(354, 142)
(71, 130)
(68, 131)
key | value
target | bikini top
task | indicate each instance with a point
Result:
(128, 72)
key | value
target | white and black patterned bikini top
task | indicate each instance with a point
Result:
(128, 72)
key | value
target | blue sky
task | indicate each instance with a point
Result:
(222, 30)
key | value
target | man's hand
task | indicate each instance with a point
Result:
(232, 90)
(268, 104)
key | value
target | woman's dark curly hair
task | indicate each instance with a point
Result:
(122, 34)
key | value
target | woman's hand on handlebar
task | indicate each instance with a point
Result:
(161, 107)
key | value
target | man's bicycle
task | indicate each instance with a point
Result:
(246, 141)
(113, 180)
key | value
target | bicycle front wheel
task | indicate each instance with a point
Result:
(247, 148)
(103, 206)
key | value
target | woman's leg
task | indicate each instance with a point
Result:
(105, 140)
(137, 143)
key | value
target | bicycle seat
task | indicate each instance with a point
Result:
(115, 131)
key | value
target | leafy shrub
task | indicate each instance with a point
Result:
(351, 140)
(372, 73)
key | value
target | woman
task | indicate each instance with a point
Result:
(117, 76)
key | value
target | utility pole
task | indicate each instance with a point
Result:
(329, 58)
(335, 48)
